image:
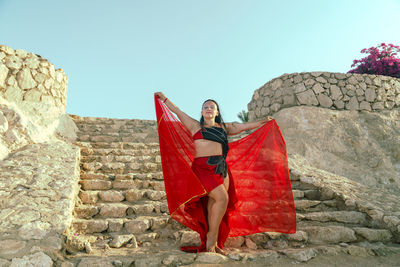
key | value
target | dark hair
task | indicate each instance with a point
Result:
(218, 118)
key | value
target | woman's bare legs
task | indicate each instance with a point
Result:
(226, 185)
(211, 201)
(217, 203)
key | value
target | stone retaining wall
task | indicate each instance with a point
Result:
(38, 187)
(32, 101)
(39, 173)
(27, 77)
(328, 90)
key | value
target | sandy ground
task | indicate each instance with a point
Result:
(341, 260)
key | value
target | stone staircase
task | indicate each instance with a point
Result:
(122, 209)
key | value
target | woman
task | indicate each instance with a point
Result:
(211, 148)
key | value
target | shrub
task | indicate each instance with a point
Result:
(381, 60)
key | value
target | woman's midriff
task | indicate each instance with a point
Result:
(205, 148)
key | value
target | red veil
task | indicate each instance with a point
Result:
(260, 193)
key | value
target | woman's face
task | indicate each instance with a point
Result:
(209, 110)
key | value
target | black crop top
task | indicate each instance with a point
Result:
(216, 134)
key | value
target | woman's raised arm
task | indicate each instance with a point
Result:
(236, 128)
(190, 123)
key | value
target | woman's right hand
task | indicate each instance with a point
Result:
(160, 95)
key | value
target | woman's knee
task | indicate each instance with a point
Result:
(223, 196)
(220, 195)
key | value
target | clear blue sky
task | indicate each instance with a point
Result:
(118, 53)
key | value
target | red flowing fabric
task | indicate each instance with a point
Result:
(260, 193)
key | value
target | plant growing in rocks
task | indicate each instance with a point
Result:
(381, 60)
(243, 116)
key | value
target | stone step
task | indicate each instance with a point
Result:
(87, 151)
(331, 234)
(115, 124)
(136, 137)
(120, 167)
(349, 217)
(128, 176)
(128, 240)
(116, 184)
(121, 159)
(298, 194)
(101, 128)
(296, 184)
(122, 209)
(314, 205)
(139, 225)
(122, 131)
(118, 145)
(89, 121)
(116, 196)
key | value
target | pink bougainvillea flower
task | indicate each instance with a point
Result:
(379, 60)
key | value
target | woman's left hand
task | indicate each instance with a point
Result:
(269, 118)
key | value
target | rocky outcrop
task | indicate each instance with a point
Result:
(336, 91)
(38, 187)
(32, 101)
(39, 171)
(362, 146)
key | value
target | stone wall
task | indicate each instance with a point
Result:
(27, 77)
(32, 100)
(39, 166)
(337, 91)
(38, 187)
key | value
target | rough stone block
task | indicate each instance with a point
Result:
(298, 236)
(302, 255)
(234, 242)
(36, 259)
(374, 235)
(111, 196)
(329, 234)
(114, 211)
(159, 223)
(353, 104)
(9, 247)
(307, 98)
(303, 204)
(90, 226)
(155, 195)
(115, 225)
(144, 209)
(126, 184)
(250, 244)
(317, 88)
(137, 226)
(89, 197)
(365, 106)
(338, 216)
(120, 240)
(134, 195)
(95, 184)
(324, 100)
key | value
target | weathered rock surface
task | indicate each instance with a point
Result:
(37, 259)
(32, 102)
(38, 187)
(362, 146)
(331, 234)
